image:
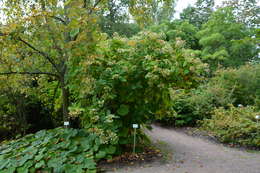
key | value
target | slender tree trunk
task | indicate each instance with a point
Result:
(65, 100)
(21, 114)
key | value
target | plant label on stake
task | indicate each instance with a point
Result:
(257, 117)
(66, 123)
(135, 126)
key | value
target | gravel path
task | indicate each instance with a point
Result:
(196, 155)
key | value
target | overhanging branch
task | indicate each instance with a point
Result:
(59, 19)
(29, 73)
(2, 34)
(94, 6)
(40, 52)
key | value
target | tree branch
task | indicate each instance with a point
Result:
(41, 53)
(84, 3)
(2, 34)
(59, 19)
(94, 6)
(30, 73)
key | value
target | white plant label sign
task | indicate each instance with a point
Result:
(66, 123)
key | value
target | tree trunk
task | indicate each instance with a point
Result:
(21, 114)
(65, 100)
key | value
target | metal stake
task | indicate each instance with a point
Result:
(135, 126)
(134, 139)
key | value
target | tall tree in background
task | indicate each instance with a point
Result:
(179, 29)
(115, 18)
(246, 11)
(198, 14)
(147, 12)
(226, 42)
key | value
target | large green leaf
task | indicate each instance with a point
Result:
(39, 164)
(25, 168)
(24, 159)
(40, 134)
(110, 149)
(100, 155)
(22, 169)
(68, 168)
(89, 164)
(92, 171)
(86, 144)
(9, 170)
(39, 157)
(55, 162)
(3, 163)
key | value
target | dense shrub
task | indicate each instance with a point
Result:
(229, 86)
(196, 104)
(131, 81)
(235, 125)
(242, 84)
(57, 150)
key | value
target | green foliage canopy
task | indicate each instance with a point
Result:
(246, 11)
(179, 29)
(199, 14)
(147, 12)
(226, 42)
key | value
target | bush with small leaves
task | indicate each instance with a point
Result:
(235, 125)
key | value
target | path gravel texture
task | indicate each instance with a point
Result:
(196, 155)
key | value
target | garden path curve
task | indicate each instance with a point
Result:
(196, 155)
